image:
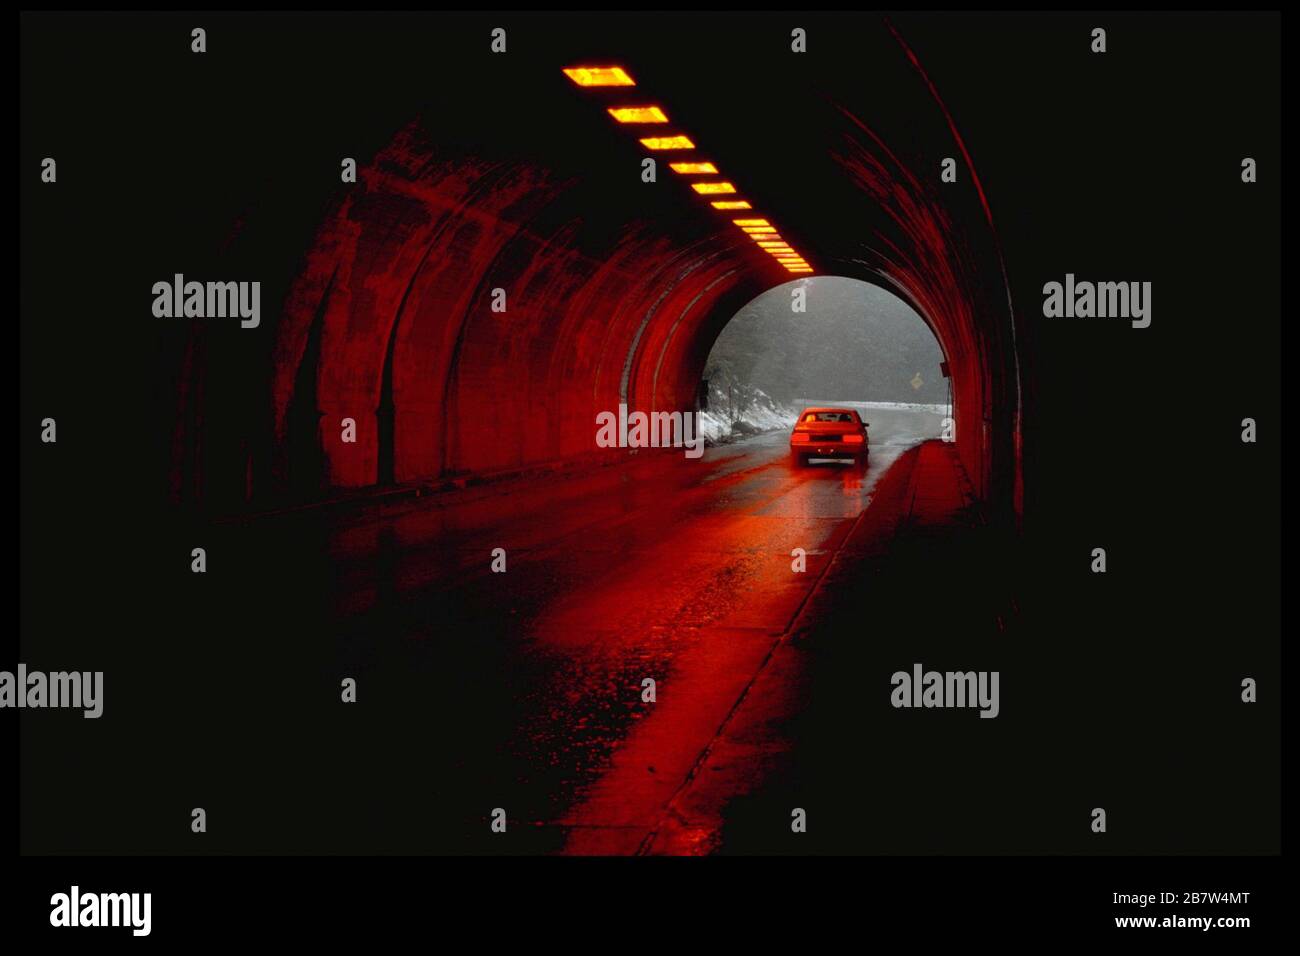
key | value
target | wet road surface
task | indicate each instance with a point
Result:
(524, 690)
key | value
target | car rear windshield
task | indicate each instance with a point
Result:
(828, 417)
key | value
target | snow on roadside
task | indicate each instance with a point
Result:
(758, 412)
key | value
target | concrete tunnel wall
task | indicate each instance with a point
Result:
(387, 318)
(402, 274)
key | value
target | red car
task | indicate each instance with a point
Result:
(828, 433)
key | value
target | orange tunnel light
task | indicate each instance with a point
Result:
(667, 142)
(638, 114)
(760, 230)
(731, 204)
(689, 168)
(711, 188)
(599, 76)
(772, 244)
(751, 222)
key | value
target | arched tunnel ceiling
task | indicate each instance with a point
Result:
(507, 176)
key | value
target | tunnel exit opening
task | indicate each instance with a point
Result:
(823, 341)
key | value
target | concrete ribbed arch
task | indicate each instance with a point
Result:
(417, 254)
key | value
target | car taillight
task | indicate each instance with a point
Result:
(850, 439)
(799, 436)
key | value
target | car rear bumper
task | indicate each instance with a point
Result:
(828, 449)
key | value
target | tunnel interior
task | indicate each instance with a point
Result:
(180, 438)
(500, 272)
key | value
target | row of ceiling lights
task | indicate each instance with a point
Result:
(762, 232)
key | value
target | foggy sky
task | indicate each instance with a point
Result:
(855, 342)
